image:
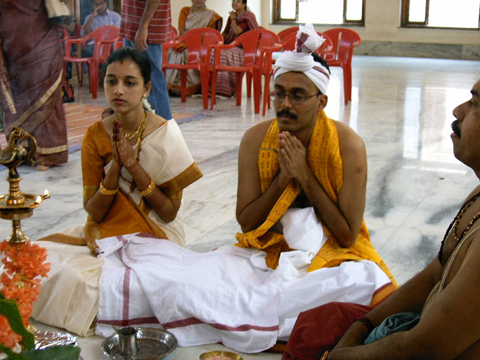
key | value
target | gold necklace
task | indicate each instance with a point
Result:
(140, 130)
(459, 216)
(133, 135)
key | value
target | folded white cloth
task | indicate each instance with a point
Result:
(108, 245)
(227, 295)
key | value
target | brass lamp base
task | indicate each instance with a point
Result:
(16, 205)
(17, 236)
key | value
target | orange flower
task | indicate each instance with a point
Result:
(24, 266)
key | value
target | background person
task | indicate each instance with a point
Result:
(100, 16)
(146, 25)
(240, 20)
(191, 17)
(31, 71)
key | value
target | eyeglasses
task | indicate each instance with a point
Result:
(295, 97)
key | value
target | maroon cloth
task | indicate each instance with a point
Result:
(34, 61)
(318, 330)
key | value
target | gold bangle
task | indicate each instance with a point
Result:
(149, 190)
(107, 192)
(325, 355)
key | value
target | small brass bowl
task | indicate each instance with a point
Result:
(226, 354)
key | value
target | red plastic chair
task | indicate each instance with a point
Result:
(288, 44)
(118, 44)
(65, 36)
(253, 43)
(285, 32)
(199, 44)
(344, 40)
(104, 37)
(174, 33)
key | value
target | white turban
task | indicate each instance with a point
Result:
(301, 58)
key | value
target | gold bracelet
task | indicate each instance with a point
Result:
(149, 190)
(325, 355)
(107, 192)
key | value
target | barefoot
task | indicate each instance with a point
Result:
(43, 167)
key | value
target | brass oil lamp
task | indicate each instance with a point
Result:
(16, 205)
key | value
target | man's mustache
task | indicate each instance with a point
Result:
(286, 113)
(456, 129)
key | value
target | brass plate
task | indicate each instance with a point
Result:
(226, 354)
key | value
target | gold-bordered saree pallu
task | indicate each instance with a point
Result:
(326, 163)
(164, 156)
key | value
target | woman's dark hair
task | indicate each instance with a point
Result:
(138, 57)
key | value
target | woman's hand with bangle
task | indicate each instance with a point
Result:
(148, 191)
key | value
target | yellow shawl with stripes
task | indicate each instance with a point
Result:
(324, 159)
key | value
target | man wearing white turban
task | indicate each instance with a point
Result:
(303, 159)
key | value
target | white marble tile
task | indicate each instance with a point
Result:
(402, 108)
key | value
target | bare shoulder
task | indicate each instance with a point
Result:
(349, 140)
(472, 194)
(253, 136)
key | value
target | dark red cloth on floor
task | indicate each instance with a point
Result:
(319, 329)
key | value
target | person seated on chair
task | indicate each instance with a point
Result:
(240, 20)
(432, 316)
(101, 16)
(191, 17)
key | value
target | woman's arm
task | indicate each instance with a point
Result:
(182, 19)
(163, 205)
(98, 204)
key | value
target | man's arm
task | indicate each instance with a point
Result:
(87, 26)
(344, 218)
(253, 207)
(447, 328)
(410, 297)
(141, 36)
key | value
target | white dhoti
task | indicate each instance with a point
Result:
(69, 296)
(227, 295)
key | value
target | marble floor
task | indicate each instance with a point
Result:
(401, 107)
